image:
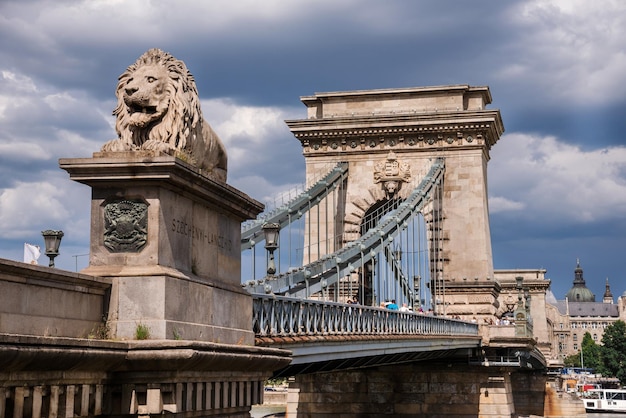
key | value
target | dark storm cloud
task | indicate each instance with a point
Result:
(359, 46)
(328, 53)
(589, 127)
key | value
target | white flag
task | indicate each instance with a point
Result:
(31, 253)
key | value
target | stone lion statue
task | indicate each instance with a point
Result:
(159, 109)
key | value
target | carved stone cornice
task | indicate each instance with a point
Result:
(413, 131)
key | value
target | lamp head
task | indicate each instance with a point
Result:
(271, 232)
(52, 242)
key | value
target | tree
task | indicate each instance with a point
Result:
(592, 356)
(613, 351)
(573, 360)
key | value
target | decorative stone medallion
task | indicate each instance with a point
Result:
(125, 226)
(391, 173)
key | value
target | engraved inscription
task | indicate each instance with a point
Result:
(200, 235)
(125, 226)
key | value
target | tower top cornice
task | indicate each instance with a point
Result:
(440, 117)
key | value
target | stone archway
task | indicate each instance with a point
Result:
(356, 210)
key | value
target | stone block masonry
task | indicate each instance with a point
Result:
(389, 137)
(429, 390)
(168, 239)
(413, 389)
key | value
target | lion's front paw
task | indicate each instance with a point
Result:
(154, 145)
(117, 145)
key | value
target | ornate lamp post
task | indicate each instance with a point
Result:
(271, 232)
(52, 240)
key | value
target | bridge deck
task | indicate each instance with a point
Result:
(325, 336)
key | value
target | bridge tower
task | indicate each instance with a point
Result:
(389, 138)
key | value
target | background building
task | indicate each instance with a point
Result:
(570, 319)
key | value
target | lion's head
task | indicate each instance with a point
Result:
(158, 108)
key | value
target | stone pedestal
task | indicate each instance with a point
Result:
(169, 238)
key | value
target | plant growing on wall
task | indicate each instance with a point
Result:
(177, 335)
(100, 332)
(142, 332)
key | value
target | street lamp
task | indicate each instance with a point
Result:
(52, 241)
(398, 253)
(520, 312)
(271, 232)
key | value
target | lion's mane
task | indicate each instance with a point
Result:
(158, 108)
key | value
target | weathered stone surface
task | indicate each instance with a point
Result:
(20, 353)
(426, 389)
(193, 222)
(415, 124)
(37, 300)
(184, 282)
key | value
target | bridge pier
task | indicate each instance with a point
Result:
(432, 389)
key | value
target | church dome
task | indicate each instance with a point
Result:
(579, 292)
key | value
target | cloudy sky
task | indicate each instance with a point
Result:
(556, 70)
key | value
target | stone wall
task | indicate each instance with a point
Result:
(416, 389)
(37, 300)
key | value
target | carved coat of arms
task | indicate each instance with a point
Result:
(125, 226)
(391, 173)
